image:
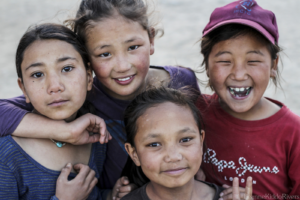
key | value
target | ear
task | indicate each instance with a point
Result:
(89, 79)
(274, 67)
(22, 87)
(133, 154)
(151, 37)
(202, 135)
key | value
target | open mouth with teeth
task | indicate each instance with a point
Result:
(240, 92)
(125, 80)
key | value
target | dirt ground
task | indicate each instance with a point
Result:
(183, 22)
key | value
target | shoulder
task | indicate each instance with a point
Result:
(138, 194)
(9, 153)
(286, 116)
(177, 76)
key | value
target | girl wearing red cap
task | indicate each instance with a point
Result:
(246, 133)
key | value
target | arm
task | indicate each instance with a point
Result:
(19, 122)
(8, 184)
(12, 112)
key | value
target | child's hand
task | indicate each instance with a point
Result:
(80, 187)
(121, 188)
(235, 192)
(200, 175)
(81, 127)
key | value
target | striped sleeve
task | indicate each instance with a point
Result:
(8, 183)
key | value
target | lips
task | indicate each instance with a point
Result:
(175, 172)
(240, 93)
(58, 102)
(124, 80)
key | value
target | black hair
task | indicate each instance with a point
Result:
(49, 31)
(231, 31)
(150, 98)
(96, 10)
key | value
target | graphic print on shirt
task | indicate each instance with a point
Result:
(210, 156)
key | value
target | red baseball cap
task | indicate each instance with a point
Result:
(246, 12)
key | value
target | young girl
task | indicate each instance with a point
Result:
(54, 77)
(167, 147)
(119, 39)
(247, 134)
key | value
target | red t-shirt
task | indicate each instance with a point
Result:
(268, 150)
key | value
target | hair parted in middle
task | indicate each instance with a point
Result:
(91, 11)
(150, 98)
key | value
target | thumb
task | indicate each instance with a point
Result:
(65, 172)
(124, 180)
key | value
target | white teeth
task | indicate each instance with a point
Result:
(237, 89)
(242, 89)
(124, 79)
(247, 88)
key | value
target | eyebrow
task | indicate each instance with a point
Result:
(221, 53)
(256, 52)
(132, 39)
(41, 64)
(156, 135)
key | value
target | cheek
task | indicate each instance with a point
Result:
(101, 69)
(150, 162)
(194, 156)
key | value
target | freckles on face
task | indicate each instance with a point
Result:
(168, 145)
(120, 55)
(54, 78)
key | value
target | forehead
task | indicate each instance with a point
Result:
(114, 28)
(47, 51)
(241, 44)
(166, 118)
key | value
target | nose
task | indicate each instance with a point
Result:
(239, 72)
(122, 64)
(54, 84)
(173, 154)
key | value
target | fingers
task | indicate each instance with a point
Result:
(235, 189)
(115, 190)
(226, 186)
(124, 190)
(248, 188)
(65, 172)
(82, 170)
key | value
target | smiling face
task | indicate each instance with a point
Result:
(120, 52)
(168, 145)
(55, 79)
(239, 71)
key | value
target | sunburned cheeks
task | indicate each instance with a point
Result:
(239, 71)
(120, 52)
(55, 79)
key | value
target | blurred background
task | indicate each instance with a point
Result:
(183, 22)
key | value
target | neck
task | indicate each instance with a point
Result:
(159, 192)
(262, 110)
